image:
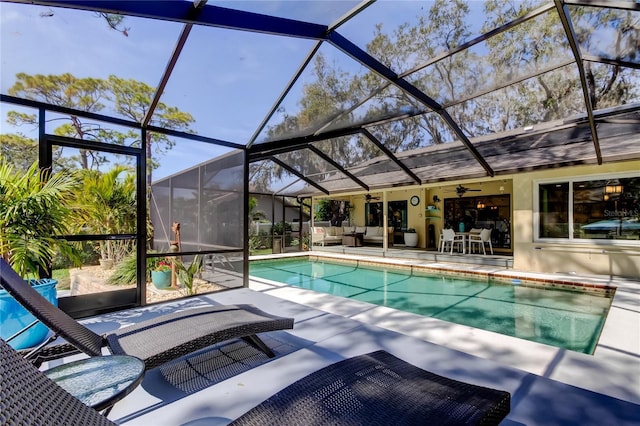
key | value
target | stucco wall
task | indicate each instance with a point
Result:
(607, 257)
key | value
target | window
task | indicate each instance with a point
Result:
(398, 220)
(554, 210)
(590, 209)
(487, 211)
(373, 214)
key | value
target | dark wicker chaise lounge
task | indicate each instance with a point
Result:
(379, 389)
(154, 341)
(28, 397)
(372, 389)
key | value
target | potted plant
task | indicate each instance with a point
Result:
(161, 274)
(186, 274)
(35, 207)
(410, 237)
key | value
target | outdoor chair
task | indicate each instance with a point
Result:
(480, 240)
(154, 341)
(379, 389)
(449, 238)
(28, 397)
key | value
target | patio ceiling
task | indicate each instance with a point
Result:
(354, 96)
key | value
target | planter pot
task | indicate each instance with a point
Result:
(13, 317)
(161, 279)
(410, 239)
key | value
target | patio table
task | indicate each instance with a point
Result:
(100, 381)
(353, 239)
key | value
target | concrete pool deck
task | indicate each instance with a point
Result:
(616, 355)
(549, 386)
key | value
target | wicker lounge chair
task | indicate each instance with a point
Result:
(379, 389)
(28, 397)
(154, 341)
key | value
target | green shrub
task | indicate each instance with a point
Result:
(125, 272)
(277, 228)
(186, 274)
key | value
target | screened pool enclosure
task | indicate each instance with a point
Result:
(202, 103)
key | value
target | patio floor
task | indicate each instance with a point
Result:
(549, 386)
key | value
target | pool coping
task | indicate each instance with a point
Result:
(569, 282)
(607, 371)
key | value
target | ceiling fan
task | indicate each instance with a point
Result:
(368, 198)
(461, 190)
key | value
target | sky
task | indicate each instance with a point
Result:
(228, 80)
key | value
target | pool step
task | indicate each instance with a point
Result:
(499, 261)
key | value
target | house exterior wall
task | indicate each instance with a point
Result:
(270, 206)
(415, 214)
(604, 257)
(601, 257)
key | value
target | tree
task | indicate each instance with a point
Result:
(132, 100)
(125, 97)
(18, 150)
(444, 27)
(254, 213)
(85, 94)
(609, 85)
(107, 205)
(331, 92)
(324, 210)
(128, 98)
(542, 42)
(115, 22)
(486, 89)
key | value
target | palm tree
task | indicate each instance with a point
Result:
(107, 205)
(34, 209)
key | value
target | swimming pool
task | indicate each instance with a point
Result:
(566, 319)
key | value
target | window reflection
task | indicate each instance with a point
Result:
(483, 212)
(554, 210)
(607, 209)
(374, 214)
(601, 209)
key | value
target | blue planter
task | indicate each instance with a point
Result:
(13, 317)
(161, 279)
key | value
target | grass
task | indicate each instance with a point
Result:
(64, 280)
(258, 252)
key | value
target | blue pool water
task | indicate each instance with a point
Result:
(565, 319)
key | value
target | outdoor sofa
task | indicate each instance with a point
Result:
(325, 235)
(375, 235)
